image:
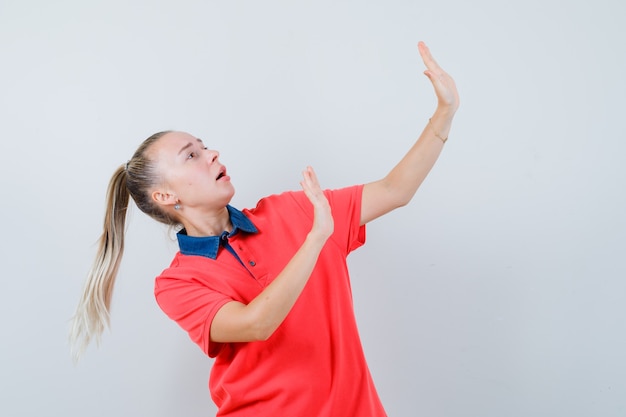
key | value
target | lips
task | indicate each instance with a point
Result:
(221, 174)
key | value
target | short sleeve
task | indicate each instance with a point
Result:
(345, 204)
(191, 304)
(346, 207)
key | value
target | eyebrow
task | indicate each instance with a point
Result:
(187, 146)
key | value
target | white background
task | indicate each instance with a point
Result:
(499, 291)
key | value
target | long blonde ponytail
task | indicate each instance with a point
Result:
(92, 313)
(134, 179)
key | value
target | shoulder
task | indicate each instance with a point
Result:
(299, 199)
(276, 206)
(190, 268)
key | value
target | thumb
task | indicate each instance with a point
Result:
(430, 75)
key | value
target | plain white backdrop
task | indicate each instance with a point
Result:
(499, 291)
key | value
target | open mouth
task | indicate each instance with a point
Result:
(221, 174)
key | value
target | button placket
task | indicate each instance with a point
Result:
(250, 261)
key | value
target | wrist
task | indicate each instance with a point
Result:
(316, 239)
(441, 122)
(444, 113)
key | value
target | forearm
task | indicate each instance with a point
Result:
(405, 178)
(238, 322)
(398, 187)
(268, 310)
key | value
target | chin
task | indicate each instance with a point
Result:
(229, 195)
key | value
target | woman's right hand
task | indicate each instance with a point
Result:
(323, 223)
(238, 322)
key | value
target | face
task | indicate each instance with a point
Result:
(192, 174)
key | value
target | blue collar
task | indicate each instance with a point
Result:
(209, 245)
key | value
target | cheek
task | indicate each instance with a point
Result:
(193, 181)
(193, 184)
(181, 180)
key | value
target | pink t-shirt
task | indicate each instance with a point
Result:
(313, 365)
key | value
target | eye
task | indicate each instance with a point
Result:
(191, 155)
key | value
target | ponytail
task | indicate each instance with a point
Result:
(92, 314)
(134, 179)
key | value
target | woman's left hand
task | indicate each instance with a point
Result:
(445, 88)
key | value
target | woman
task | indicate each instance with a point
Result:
(264, 291)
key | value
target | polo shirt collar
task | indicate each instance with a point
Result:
(209, 245)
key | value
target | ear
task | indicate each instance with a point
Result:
(163, 198)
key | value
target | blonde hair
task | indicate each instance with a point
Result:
(134, 179)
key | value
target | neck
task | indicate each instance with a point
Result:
(207, 224)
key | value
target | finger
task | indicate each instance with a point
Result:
(427, 57)
(306, 177)
(310, 184)
(310, 177)
(433, 77)
(313, 175)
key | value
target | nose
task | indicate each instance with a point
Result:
(212, 155)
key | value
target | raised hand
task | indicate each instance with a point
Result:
(256, 321)
(444, 85)
(323, 224)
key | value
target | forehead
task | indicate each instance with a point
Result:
(174, 139)
(171, 144)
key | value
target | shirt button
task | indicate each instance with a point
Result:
(252, 263)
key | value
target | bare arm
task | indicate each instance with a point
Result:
(238, 322)
(397, 188)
